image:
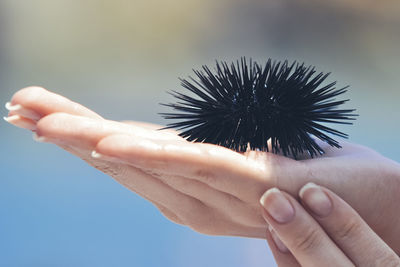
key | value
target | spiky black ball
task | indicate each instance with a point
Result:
(248, 104)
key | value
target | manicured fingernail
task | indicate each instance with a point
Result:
(95, 154)
(278, 242)
(21, 122)
(277, 205)
(22, 111)
(316, 199)
(12, 118)
(38, 138)
(11, 107)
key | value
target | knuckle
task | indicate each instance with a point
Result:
(194, 222)
(308, 240)
(204, 228)
(198, 227)
(210, 222)
(348, 229)
(211, 225)
(204, 224)
(169, 214)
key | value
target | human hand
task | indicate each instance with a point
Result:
(321, 230)
(211, 189)
(185, 200)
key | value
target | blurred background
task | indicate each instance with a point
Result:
(119, 58)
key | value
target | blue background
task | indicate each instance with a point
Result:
(118, 58)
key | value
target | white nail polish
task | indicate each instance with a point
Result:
(38, 138)
(11, 107)
(12, 118)
(95, 154)
(262, 199)
(21, 122)
(22, 111)
(305, 187)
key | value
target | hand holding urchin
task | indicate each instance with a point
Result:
(248, 104)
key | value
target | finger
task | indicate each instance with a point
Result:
(168, 213)
(226, 204)
(87, 132)
(239, 211)
(111, 169)
(220, 168)
(282, 255)
(83, 133)
(139, 182)
(170, 201)
(298, 230)
(36, 102)
(21, 122)
(114, 169)
(233, 207)
(19, 110)
(175, 205)
(70, 133)
(349, 231)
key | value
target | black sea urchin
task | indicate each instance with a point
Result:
(248, 104)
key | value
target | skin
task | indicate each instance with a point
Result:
(208, 188)
(321, 230)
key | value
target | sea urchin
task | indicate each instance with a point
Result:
(277, 107)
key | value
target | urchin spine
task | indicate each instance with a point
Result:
(277, 107)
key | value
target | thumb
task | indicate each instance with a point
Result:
(282, 256)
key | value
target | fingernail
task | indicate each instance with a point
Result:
(277, 205)
(278, 242)
(11, 107)
(21, 122)
(12, 118)
(316, 199)
(38, 138)
(22, 111)
(95, 154)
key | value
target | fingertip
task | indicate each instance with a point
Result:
(305, 188)
(283, 259)
(266, 194)
(11, 107)
(58, 125)
(21, 122)
(37, 138)
(27, 95)
(316, 199)
(95, 154)
(44, 102)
